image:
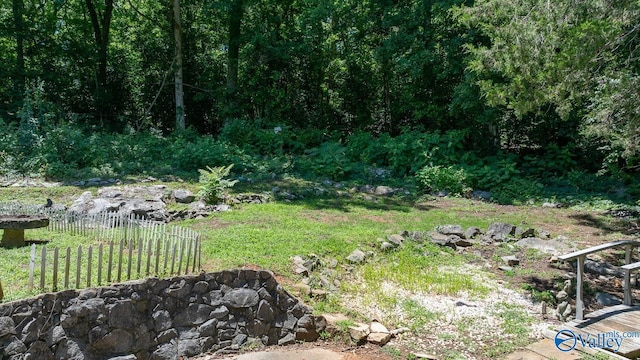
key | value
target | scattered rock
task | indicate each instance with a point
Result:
(442, 193)
(562, 295)
(602, 268)
(606, 299)
(376, 326)
(378, 338)
(300, 270)
(501, 231)
(440, 239)
(400, 330)
(332, 321)
(455, 230)
(563, 311)
(183, 196)
(331, 263)
(460, 242)
(481, 195)
(521, 233)
(472, 232)
(462, 303)
(544, 234)
(505, 268)
(551, 205)
(384, 191)
(623, 213)
(288, 339)
(552, 247)
(396, 239)
(511, 260)
(357, 257)
(359, 332)
(386, 246)
(416, 235)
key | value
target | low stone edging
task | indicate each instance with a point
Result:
(156, 319)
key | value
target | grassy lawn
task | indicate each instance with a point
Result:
(389, 286)
(269, 235)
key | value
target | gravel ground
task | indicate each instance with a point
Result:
(466, 325)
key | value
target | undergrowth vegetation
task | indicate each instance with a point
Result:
(47, 143)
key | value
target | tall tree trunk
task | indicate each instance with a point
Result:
(101, 22)
(18, 11)
(235, 21)
(177, 33)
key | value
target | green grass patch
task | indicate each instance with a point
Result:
(422, 267)
(417, 315)
(516, 328)
(14, 263)
(269, 235)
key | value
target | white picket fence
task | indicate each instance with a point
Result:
(127, 247)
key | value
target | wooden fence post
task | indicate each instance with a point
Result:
(78, 267)
(181, 248)
(627, 276)
(100, 264)
(43, 266)
(89, 260)
(32, 265)
(67, 266)
(120, 260)
(579, 281)
(55, 269)
(110, 262)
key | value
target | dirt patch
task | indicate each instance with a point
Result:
(348, 352)
(585, 228)
(210, 224)
(378, 218)
(326, 218)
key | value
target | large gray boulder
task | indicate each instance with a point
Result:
(552, 247)
(501, 231)
(146, 201)
(456, 230)
(183, 196)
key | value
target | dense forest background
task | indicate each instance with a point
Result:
(492, 87)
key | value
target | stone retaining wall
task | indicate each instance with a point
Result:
(156, 319)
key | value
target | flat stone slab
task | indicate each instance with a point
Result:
(23, 221)
(14, 226)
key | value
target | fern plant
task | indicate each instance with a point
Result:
(214, 184)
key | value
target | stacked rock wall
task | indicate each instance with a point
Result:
(156, 319)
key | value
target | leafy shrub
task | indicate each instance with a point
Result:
(554, 160)
(490, 172)
(255, 137)
(517, 191)
(408, 152)
(440, 178)
(214, 183)
(328, 160)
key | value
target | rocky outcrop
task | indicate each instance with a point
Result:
(150, 202)
(156, 319)
(147, 201)
(457, 238)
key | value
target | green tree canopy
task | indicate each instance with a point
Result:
(574, 58)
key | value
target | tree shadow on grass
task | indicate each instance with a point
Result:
(347, 204)
(607, 224)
